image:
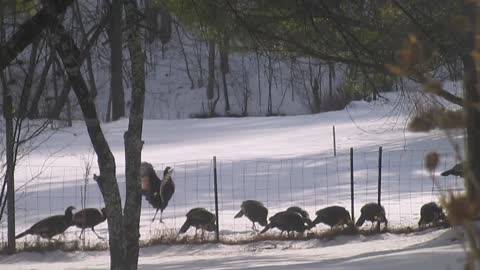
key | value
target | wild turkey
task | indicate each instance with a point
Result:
(157, 192)
(200, 218)
(51, 226)
(149, 179)
(303, 213)
(333, 216)
(457, 170)
(167, 188)
(255, 211)
(287, 221)
(89, 218)
(431, 213)
(372, 212)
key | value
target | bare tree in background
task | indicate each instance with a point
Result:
(116, 65)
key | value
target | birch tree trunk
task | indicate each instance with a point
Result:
(133, 136)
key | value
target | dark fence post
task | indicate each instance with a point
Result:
(9, 176)
(334, 143)
(351, 183)
(217, 231)
(379, 174)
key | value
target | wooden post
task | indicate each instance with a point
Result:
(379, 174)
(217, 231)
(334, 143)
(351, 184)
(9, 176)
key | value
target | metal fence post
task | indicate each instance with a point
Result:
(351, 183)
(379, 174)
(217, 231)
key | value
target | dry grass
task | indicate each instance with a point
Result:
(67, 246)
(170, 237)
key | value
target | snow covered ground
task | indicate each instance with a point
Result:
(439, 249)
(281, 161)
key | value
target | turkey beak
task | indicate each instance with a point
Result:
(171, 170)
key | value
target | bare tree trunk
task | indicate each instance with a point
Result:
(133, 137)
(107, 181)
(165, 29)
(55, 82)
(182, 47)
(211, 74)
(224, 49)
(62, 100)
(472, 97)
(115, 33)
(27, 83)
(270, 81)
(292, 77)
(246, 89)
(331, 77)
(108, 115)
(214, 103)
(9, 176)
(258, 82)
(33, 112)
(91, 76)
(316, 96)
(198, 54)
(31, 29)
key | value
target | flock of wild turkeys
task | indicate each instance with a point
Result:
(158, 193)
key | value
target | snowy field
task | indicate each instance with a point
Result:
(281, 161)
(428, 250)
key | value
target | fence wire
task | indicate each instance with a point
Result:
(278, 183)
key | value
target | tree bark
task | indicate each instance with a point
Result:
(116, 56)
(471, 99)
(316, 93)
(61, 101)
(10, 174)
(107, 181)
(133, 136)
(165, 29)
(224, 49)
(27, 83)
(33, 112)
(182, 48)
(259, 82)
(31, 29)
(270, 81)
(211, 73)
(331, 77)
(91, 76)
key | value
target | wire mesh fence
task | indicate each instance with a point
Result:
(312, 184)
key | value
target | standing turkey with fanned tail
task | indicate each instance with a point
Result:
(157, 192)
